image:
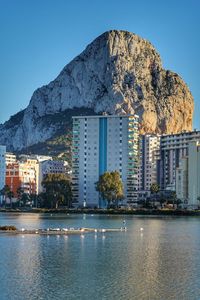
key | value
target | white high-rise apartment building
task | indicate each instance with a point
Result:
(149, 157)
(100, 144)
(2, 167)
(172, 149)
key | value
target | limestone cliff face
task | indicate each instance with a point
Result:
(118, 73)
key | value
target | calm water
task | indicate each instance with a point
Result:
(163, 262)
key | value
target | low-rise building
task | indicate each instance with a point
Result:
(22, 174)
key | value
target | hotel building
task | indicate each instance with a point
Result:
(100, 144)
(10, 158)
(49, 167)
(172, 149)
(22, 174)
(188, 177)
(149, 157)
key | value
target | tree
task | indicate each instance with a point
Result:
(10, 195)
(198, 199)
(162, 200)
(2, 193)
(5, 191)
(154, 188)
(174, 199)
(25, 198)
(58, 190)
(33, 199)
(20, 192)
(110, 187)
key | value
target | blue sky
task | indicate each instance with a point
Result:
(39, 37)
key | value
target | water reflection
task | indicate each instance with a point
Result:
(159, 262)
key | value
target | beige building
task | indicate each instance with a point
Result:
(188, 177)
(182, 180)
(173, 148)
(148, 165)
(194, 174)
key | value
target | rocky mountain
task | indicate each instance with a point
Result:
(118, 73)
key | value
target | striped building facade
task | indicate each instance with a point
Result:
(100, 144)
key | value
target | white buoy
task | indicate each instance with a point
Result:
(141, 228)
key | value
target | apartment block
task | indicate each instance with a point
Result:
(100, 144)
(10, 157)
(172, 149)
(149, 157)
(182, 180)
(49, 167)
(22, 174)
(188, 177)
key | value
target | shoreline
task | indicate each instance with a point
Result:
(69, 231)
(145, 212)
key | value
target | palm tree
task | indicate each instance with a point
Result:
(20, 191)
(155, 189)
(174, 198)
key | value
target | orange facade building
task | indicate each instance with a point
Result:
(22, 175)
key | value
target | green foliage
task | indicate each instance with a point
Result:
(25, 198)
(154, 188)
(58, 191)
(20, 192)
(7, 193)
(110, 187)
